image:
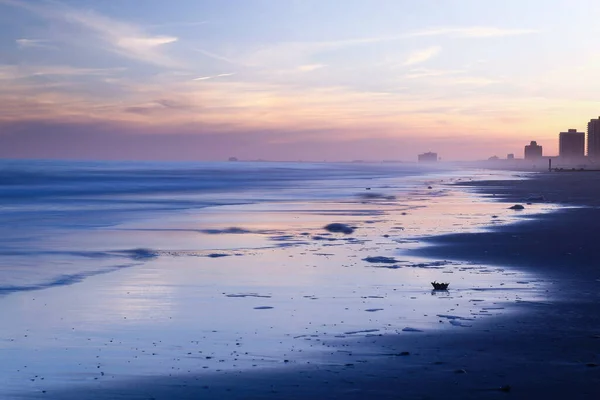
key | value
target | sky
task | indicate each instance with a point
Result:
(294, 80)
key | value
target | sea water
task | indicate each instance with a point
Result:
(110, 271)
(52, 213)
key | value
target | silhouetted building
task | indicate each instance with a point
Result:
(571, 145)
(510, 156)
(533, 151)
(428, 157)
(593, 138)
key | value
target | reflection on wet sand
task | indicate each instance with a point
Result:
(254, 286)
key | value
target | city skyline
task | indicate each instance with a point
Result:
(336, 80)
(573, 145)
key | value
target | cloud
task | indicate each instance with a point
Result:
(423, 55)
(144, 42)
(240, 106)
(124, 38)
(22, 71)
(29, 43)
(288, 55)
(204, 78)
(473, 32)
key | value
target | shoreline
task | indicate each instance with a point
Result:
(561, 338)
(516, 349)
(544, 243)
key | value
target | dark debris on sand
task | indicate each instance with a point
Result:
(381, 259)
(337, 227)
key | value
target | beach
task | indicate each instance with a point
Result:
(256, 299)
(299, 200)
(552, 349)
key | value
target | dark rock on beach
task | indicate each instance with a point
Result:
(339, 228)
(381, 259)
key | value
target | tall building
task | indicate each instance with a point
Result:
(593, 138)
(533, 151)
(428, 157)
(571, 145)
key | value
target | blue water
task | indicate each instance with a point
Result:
(49, 208)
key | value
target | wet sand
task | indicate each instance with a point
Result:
(544, 346)
(552, 349)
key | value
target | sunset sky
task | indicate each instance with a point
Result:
(294, 79)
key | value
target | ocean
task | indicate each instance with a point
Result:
(52, 212)
(113, 271)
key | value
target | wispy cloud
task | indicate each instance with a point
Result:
(124, 38)
(473, 32)
(21, 71)
(241, 106)
(291, 54)
(144, 42)
(204, 78)
(423, 55)
(32, 43)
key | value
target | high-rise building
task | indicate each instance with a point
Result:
(571, 145)
(533, 151)
(593, 138)
(428, 157)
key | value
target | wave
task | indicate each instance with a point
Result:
(62, 280)
(134, 254)
(44, 204)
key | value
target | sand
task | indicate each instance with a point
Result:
(541, 348)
